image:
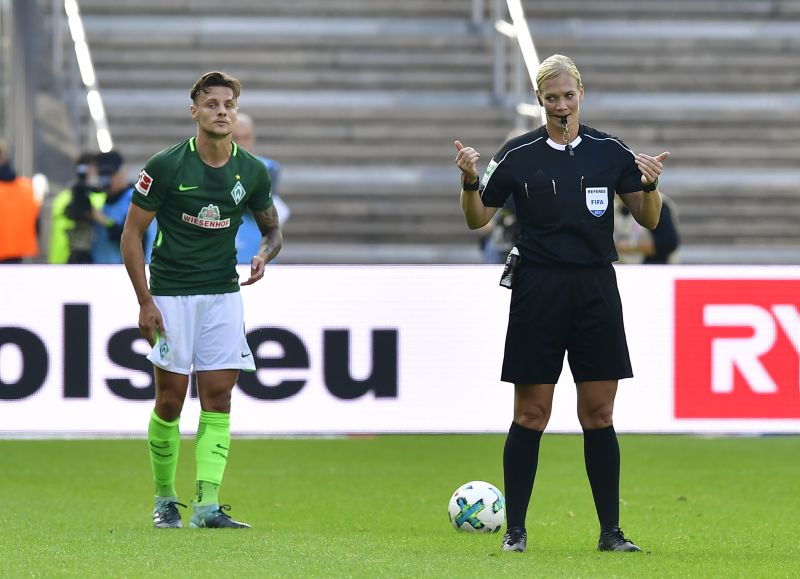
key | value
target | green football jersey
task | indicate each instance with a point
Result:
(198, 210)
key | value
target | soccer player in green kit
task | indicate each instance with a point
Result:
(191, 313)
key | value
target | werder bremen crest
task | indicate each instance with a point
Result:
(238, 192)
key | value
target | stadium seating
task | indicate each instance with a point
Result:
(360, 100)
(714, 83)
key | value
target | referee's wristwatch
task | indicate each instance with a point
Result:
(649, 188)
(470, 185)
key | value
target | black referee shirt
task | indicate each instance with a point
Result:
(565, 203)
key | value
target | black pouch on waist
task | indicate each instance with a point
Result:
(512, 262)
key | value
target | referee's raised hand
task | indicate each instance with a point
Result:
(651, 167)
(467, 161)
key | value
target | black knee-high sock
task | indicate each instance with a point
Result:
(601, 454)
(520, 458)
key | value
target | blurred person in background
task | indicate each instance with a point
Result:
(19, 213)
(191, 311)
(500, 234)
(248, 238)
(76, 212)
(112, 174)
(563, 177)
(637, 244)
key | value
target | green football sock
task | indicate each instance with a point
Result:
(207, 494)
(211, 454)
(165, 439)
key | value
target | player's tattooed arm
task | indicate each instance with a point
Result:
(272, 238)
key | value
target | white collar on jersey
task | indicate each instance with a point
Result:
(574, 143)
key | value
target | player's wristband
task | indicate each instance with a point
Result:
(470, 186)
(651, 187)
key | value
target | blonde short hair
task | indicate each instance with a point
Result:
(556, 65)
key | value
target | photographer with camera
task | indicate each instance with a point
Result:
(76, 212)
(113, 180)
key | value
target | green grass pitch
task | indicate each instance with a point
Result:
(377, 507)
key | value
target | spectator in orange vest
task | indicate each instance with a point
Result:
(19, 211)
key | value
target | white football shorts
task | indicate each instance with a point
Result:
(202, 332)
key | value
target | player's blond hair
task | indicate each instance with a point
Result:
(214, 78)
(555, 65)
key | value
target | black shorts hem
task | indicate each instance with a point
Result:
(623, 377)
(510, 380)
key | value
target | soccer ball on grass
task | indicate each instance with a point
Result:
(477, 507)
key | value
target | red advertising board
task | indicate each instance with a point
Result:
(737, 348)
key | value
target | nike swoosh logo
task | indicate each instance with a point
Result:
(183, 187)
(245, 355)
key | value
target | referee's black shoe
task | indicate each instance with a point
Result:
(515, 539)
(614, 540)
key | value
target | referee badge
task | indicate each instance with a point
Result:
(597, 200)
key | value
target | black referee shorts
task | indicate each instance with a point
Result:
(557, 309)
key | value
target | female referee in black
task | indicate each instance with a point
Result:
(563, 177)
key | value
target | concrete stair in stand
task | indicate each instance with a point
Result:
(360, 101)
